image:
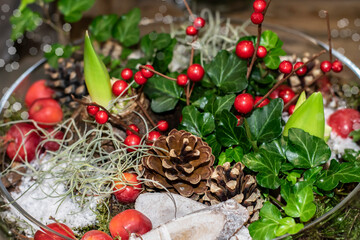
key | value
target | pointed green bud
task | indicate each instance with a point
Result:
(97, 78)
(327, 132)
(301, 100)
(309, 117)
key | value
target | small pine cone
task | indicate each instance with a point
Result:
(231, 183)
(68, 79)
(181, 162)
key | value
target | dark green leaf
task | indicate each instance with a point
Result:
(101, 27)
(312, 174)
(125, 53)
(200, 124)
(350, 155)
(228, 72)
(214, 144)
(58, 51)
(236, 153)
(147, 46)
(132, 63)
(126, 29)
(256, 75)
(305, 150)
(162, 41)
(73, 9)
(355, 134)
(164, 57)
(153, 41)
(26, 21)
(265, 122)
(219, 104)
(163, 104)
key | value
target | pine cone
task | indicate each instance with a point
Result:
(226, 183)
(66, 80)
(181, 162)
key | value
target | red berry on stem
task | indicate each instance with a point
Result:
(199, 22)
(154, 135)
(344, 121)
(147, 73)
(325, 66)
(261, 52)
(275, 93)
(238, 120)
(259, 6)
(182, 80)
(285, 67)
(302, 71)
(92, 110)
(291, 109)
(195, 72)
(245, 49)
(263, 103)
(127, 190)
(119, 87)
(286, 95)
(257, 18)
(163, 125)
(132, 140)
(133, 127)
(244, 103)
(337, 66)
(101, 117)
(126, 74)
(139, 78)
(191, 31)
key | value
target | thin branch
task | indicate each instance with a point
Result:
(189, 10)
(146, 113)
(291, 101)
(158, 73)
(329, 34)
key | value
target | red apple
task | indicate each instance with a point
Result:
(96, 235)
(46, 111)
(127, 222)
(52, 145)
(127, 190)
(58, 227)
(36, 91)
(344, 121)
(21, 143)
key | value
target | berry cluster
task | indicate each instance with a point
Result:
(198, 23)
(143, 75)
(257, 16)
(245, 102)
(101, 116)
(327, 66)
(245, 49)
(286, 67)
(195, 73)
(286, 94)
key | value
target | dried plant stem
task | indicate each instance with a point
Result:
(146, 113)
(187, 87)
(188, 9)
(286, 77)
(158, 73)
(329, 34)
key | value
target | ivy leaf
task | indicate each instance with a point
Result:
(231, 154)
(153, 41)
(356, 135)
(73, 9)
(350, 155)
(312, 174)
(288, 225)
(24, 3)
(228, 72)
(269, 40)
(164, 57)
(58, 51)
(26, 21)
(272, 61)
(126, 29)
(345, 172)
(214, 144)
(200, 124)
(162, 40)
(265, 122)
(220, 103)
(305, 150)
(101, 27)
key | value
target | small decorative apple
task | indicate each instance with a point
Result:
(52, 145)
(96, 235)
(36, 91)
(128, 190)
(46, 111)
(127, 222)
(58, 227)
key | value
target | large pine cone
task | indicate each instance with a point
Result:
(226, 183)
(181, 162)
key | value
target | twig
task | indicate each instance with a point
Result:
(291, 101)
(146, 113)
(329, 34)
(189, 10)
(277, 202)
(61, 226)
(158, 73)
(187, 87)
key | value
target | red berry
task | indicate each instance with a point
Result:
(101, 117)
(199, 22)
(302, 71)
(127, 190)
(259, 6)
(163, 125)
(126, 74)
(244, 103)
(238, 120)
(261, 52)
(182, 80)
(139, 78)
(337, 66)
(286, 95)
(147, 73)
(263, 103)
(325, 66)
(257, 18)
(119, 87)
(195, 72)
(154, 135)
(285, 67)
(132, 140)
(92, 110)
(191, 31)
(245, 49)
(291, 109)
(344, 121)
(181, 118)
(133, 127)
(275, 93)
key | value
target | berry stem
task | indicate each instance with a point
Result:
(187, 87)
(328, 33)
(292, 101)
(188, 9)
(286, 77)
(158, 73)
(146, 113)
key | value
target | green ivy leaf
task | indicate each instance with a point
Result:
(218, 104)
(153, 41)
(272, 61)
(265, 228)
(265, 122)
(200, 124)
(101, 27)
(305, 150)
(24, 3)
(269, 40)
(312, 174)
(53, 56)
(73, 9)
(26, 21)
(355, 134)
(293, 176)
(350, 155)
(231, 154)
(288, 225)
(126, 29)
(164, 57)
(214, 144)
(228, 72)
(345, 172)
